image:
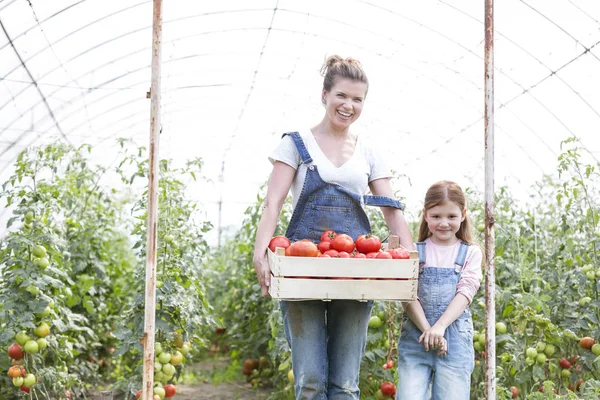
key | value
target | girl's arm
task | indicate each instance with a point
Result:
(394, 217)
(279, 186)
(417, 315)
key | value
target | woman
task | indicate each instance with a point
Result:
(329, 171)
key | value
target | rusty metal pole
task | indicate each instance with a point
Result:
(150, 304)
(490, 271)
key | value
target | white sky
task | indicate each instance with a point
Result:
(232, 86)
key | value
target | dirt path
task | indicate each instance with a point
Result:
(206, 390)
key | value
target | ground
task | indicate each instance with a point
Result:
(205, 390)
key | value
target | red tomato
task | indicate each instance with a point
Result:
(138, 394)
(332, 253)
(288, 251)
(343, 242)
(324, 246)
(384, 255)
(324, 256)
(25, 389)
(279, 241)
(390, 364)
(304, 248)
(387, 388)
(372, 255)
(343, 254)
(15, 351)
(358, 255)
(368, 244)
(14, 371)
(564, 363)
(515, 392)
(400, 253)
(328, 236)
(170, 390)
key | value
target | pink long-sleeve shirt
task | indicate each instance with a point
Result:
(444, 257)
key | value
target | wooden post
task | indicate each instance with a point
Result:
(490, 271)
(150, 305)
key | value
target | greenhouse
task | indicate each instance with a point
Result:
(142, 149)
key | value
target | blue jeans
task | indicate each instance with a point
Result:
(328, 341)
(425, 375)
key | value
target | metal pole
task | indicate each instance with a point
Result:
(150, 305)
(490, 271)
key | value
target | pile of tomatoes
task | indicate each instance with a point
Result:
(334, 245)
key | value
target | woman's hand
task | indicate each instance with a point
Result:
(434, 338)
(263, 272)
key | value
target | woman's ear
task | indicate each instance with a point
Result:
(323, 97)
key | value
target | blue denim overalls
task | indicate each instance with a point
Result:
(451, 373)
(327, 339)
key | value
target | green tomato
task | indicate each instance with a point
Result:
(481, 227)
(596, 349)
(531, 352)
(45, 313)
(31, 347)
(29, 216)
(540, 346)
(18, 381)
(587, 267)
(513, 371)
(169, 239)
(29, 380)
(160, 392)
(375, 322)
(549, 350)
(22, 338)
(482, 339)
(39, 251)
(591, 275)
(157, 349)
(597, 233)
(168, 369)
(500, 327)
(598, 274)
(541, 358)
(565, 373)
(164, 358)
(529, 361)
(42, 343)
(478, 346)
(475, 337)
(157, 366)
(34, 290)
(41, 262)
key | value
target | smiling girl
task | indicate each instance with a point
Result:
(449, 277)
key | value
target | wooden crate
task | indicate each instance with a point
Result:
(310, 278)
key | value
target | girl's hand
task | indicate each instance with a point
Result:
(263, 272)
(434, 338)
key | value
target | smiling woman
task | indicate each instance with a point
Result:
(329, 171)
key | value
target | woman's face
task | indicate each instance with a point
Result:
(344, 102)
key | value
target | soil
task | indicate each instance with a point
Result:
(206, 390)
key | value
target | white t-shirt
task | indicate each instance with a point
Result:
(365, 165)
(445, 256)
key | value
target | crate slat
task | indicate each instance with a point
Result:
(327, 289)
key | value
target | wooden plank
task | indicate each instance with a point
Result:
(329, 289)
(343, 267)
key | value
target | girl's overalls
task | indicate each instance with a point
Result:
(451, 374)
(327, 338)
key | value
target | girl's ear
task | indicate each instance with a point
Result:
(464, 215)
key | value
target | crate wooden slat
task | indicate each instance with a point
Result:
(304, 278)
(337, 289)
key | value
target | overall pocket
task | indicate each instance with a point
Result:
(324, 217)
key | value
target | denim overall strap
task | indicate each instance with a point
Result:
(382, 201)
(461, 257)
(300, 146)
(421, 251)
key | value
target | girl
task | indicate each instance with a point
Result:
(449, 277)
(329, 170)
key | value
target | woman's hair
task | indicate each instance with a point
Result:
(438, 193)
(338, 67)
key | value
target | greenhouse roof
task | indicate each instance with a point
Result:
(237, 74)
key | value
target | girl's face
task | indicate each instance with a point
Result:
(344, 102)
(444, 221)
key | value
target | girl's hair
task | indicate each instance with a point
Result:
(438, 193)
(338, 67)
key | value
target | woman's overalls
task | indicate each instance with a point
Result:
(327, 338)
(451, 373)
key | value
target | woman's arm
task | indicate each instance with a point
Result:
(394, 217)
(279, 186)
